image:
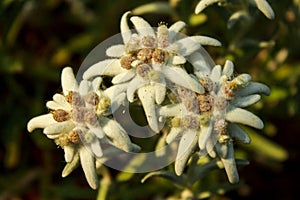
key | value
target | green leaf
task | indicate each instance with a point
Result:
(171, 176)
(266, 147)
(201, 170)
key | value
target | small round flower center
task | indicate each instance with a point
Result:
(149, 41)
(73, 136)
(220, 103)
(126, 61)
(103, 105)
(205, 102)
(143, 70)
(207, 84)
(78, 114)
(91, 117)
(191, 122)
(74, 99)
(60, 115)
(145, 55)
(92, 98)
(159, 55)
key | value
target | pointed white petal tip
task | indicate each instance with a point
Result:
(242, 116)
(203, 4)
(116, 51)
(238, 133)
(59, 127)
(205, 40)
(68, 80)
(187, 145)
(228, 68)
(181, 77)
(69, 153)
(245, 101)
(109, 67)
(73, 164)
(41, 121)
(142, 26)
(178, 60)
(243, 79)
(123, 77)
(254, 88)
(88, 165)
(147, 97)
(265, 8)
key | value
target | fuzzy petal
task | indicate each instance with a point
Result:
(171, 110)
(204, 135)
(186, 147)
(174, 134)
(242, 79)
(41, 121)
(238, 133)
(71, 166)
(115, 90)
(245, 101)
(109, 67)
(142, 26)
(88, 164)
(84, 87)
(242, 116)
(116, 133)
(116, 51)
(229, 164)
(69, 153)
(265, 8)
(96, 148)
(96, 130)
(117, 102)
(204, 40)
(96, 83)
(253, 88)
(59, 127)
(125, 30)
(178, 60)
(124, 77)
(179, 76)
(136, 83)
(174, 29)
(160, 91)
(216, 73)
(68, 80)
(186, 46)
(147, 97)
(210, 144)
(228, 68)
(53, 105)
(203, 4)
(200, 64)
(61, 99)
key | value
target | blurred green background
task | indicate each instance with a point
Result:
(39, 38)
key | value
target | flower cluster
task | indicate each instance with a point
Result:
(78, 123)
(149, 65)
(148, 60)
(207, 121)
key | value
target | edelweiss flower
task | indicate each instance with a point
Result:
(147, 60)
(208, 119)
(262, 5)
(77, 121)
